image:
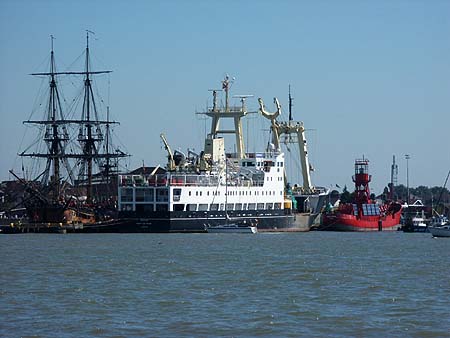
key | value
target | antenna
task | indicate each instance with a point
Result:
(214, 92)
(226, 85)
(243, 98)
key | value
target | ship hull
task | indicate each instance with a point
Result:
(440, 231)
(344, 222)
(305, 221)
(109, 226)
(307, 213)
(166, 222)
(267, 221)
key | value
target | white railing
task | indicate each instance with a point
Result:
(185, 180)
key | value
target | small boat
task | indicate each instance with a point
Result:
(440, 226)
(442, 231)
(419, 225)
(241, 228)
(414, 217)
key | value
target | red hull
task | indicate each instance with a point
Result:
(346, 222)
(363, 214)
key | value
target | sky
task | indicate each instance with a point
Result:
(369, 78)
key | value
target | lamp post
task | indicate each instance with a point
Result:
(407, 157)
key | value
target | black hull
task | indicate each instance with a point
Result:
(170, 222)
(271, 220)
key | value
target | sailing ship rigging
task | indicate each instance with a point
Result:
(74, 147)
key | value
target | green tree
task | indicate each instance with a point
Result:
(345, 196)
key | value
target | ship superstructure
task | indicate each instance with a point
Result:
(200, 190)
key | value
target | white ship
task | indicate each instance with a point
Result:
(206, 188)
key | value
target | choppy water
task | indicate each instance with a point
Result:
(202, 285)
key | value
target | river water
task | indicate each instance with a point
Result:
(232, 285)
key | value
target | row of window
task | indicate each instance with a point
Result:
(145, 195)
(229, 206)
(144, 207)
(162, 195)
(270, 178)
(238, 193)
(261, 164)
(201, 207)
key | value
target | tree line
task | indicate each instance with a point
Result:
(428, 195)
(436, 197)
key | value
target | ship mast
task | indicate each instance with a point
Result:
(108, 160)
(55, 138)
(86, 137)
(90, 133)
(52, 110)
(290, 104)
(236, 113)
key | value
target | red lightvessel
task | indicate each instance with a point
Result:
(363, 214)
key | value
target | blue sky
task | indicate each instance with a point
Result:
(369, 78)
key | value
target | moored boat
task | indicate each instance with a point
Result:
(415, 217)
(209, 187)
(63, 190)
(419, 224)
(440, 226)
(363, 214)
(442, 231)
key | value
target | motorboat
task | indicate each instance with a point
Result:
(442, 231)
(440, 227)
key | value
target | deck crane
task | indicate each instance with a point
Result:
(171, 162)
(288, 128)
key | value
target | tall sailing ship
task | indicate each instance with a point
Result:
(204, 190)
(77, 181)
